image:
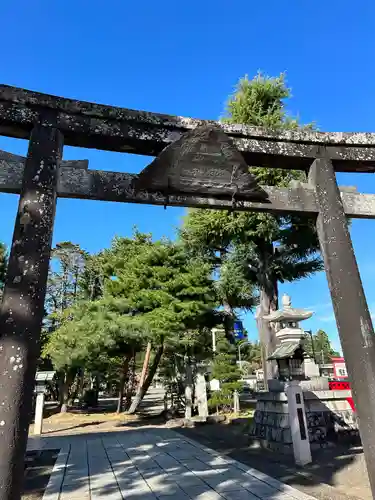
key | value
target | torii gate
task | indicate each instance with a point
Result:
(198, 164)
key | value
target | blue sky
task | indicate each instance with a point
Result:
(184, 58)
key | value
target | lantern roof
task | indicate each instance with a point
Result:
(286, 350)
(288, 312)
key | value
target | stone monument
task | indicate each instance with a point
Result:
(299, 412)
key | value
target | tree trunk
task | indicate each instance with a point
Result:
(188, 388)
(81, 385)
(123, 374)
(131, 385)
(64, 397)
(146, 362)
(146, 384)
(65, 389)
(268, 303)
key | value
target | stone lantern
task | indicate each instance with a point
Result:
(292, 361)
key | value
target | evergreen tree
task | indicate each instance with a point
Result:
(66, 268)
(152, 292)
(225, 369)
(251, 358)
(320, 347)
(266, 248)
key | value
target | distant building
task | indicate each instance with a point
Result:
(339, 368)
(327, 370)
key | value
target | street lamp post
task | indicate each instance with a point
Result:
(310, 333)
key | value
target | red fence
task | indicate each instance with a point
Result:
(338, 385)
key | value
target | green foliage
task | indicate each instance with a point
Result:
(320, 346)
(260, 102)
(224, 398)
(224, 368)
(262, 249)
(159, 281)
(251, 358)
(149, 291)
(91, 334)
(92, 277)
(66, 268)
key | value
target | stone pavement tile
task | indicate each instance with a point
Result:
(52, 491)
(161, 484)
(196, 490)
(123, 464)
(204, 495)
(117, 457)
(257, 487)
(179, 496)
(182, 454)
(138, 488)
(76, 479)
(130, 472)
(239, 495)
(201, 455)
(75, 495)
(98, 470)
(101, 483)
(173, 467)
(165, 460)
(154, 475)
(104, 495)
(224, 482)
(216, 461)
(278, 485)
(137, 496)
(72, 490)
(195, 465)
(186, 480)
(216, 474)
(146, 464)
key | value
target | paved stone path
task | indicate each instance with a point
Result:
(152, 464)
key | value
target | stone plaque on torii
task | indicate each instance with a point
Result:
(198, 164)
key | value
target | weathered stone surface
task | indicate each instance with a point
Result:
(116, 186)
(349, 301)
(330, 417)
(119, 129)
(202, 160)
(326, 423)
(22, 307)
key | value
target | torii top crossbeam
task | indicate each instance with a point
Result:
(91, 125)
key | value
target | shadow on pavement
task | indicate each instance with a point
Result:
(138, 460)
(331, 466)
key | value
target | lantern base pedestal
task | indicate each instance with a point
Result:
(329, 416)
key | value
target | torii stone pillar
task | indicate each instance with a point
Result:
(22, 308)
(349, 302)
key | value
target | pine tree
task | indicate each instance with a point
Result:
(266, 248)
(152, 292)
(225, 369)
(319, 347)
